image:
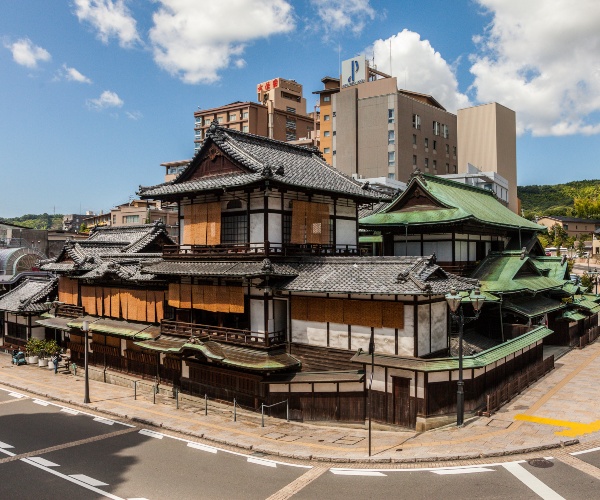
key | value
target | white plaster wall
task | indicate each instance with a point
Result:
(275, 200)
(352, 387)
(346, 232)
(406, 338)
(409, 248)
(257, 233)
(275, 229)
(438, 377)
(378, 378)
(385, 340)
(257, 315)
(345, 211)
(124, 346)
(439, 334)
(338, 336)
(441, 249)
(257, 200)
(39, 332)
(309, 332)
(360, 337)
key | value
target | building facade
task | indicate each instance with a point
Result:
(573, 226)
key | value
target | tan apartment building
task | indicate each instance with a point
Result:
(324, 125)
(487, 139)
(572, 225)
(380, 131)
(279, 114)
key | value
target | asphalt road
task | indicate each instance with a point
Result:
(48, 451)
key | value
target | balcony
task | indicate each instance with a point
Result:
(222, 334)
(266, 249)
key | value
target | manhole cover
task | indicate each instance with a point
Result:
(540, 463)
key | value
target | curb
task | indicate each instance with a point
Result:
(296, 456)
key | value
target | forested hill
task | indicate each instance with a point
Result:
(575, 199)
(36, 221)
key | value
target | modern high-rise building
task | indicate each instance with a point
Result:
(324, 117)
(487, 139)
(380, 131)
(280, 114)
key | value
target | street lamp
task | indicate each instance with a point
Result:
(454, 303)
(85, 328)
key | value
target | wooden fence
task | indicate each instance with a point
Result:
(590, 336)
(516, 385)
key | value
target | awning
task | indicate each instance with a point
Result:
(530, 307)
(58, 323)
(165, 343)
(370, 239)
(139, 331)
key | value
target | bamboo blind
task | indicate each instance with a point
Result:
(174, 294)
(185, 296)
(236, 299)
(88, 299)
(202, 224)
(213, 223)
(67, 291)
(187, 225)
(107, 295)
(310, 223)
(115, 305)
(210, 298)
(159, 297)
(351, 312)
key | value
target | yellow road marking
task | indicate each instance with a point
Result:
(574, 428)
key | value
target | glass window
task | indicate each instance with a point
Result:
(447, 149)
(245, 115)
(232, 117)
(454, 150)
(414, 160)
(416, 121)
(434, 145)
(219, 119)
(234, 228)
(436, 128)
(447, 168)
(426, 142)
(391, 176)
(131, 219)
(390, 116)
(426, 162)
(326, 98)
(445, 132)
(326, 150)
(326, 133)
(391, 137)
(207, 121)
(391, 158)
(245, 128)
(415, 139)
(326, 118)
(434, 164)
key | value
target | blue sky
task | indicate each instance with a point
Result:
(95, 94)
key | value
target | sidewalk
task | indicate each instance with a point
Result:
(562, 409)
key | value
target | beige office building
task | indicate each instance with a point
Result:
(280, 114)
(487, 139)
(380, 131)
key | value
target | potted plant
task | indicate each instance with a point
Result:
(33, 349)
(51, 348)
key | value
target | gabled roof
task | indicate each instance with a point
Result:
(553, 267)
(112, 250)
(432, 200)
(29, 296)
(509, 272)
(259, 159)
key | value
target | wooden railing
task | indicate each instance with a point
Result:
(222, 334)
(516, 385)
(265, 248)
(69, 311)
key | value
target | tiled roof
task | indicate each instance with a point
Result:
(374, 275)
(530, 307)
(458, 202)
(220, 268)
(29, 296)
(261, 159)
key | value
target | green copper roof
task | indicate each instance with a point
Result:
(530, 307)
(479, 360)
(588, 305)
(553, 267)
(140, 331)
(458, 202)
(571, 315)
(377, 238)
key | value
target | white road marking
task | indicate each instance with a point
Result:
(585, 451)
(259, 461)
(5, 445)
(40, 402)
(202, 447)
(532, 482)
(461, 471)
(88, 480)
(350, 472)
(43, 461)
(70, 411)
(104, 421)
(422, 469)
(149, 433)
(17, 395)
(73, 479)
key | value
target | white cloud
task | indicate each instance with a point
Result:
(111, 18)
(419, 68)
(134, 115)
(106, 100)
(27, 54)
(72, 75)
(195, 40)
(540, 58)
(338, 15)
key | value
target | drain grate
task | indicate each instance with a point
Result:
(540, 463)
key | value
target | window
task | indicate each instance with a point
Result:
(234, 228)
(414, 160)
(232, 117)
(453, 169)
(114, 219)
(326, 150)
(566, 226)
(198, 120)
(131, 219)
(426, 162)
(287, 228)
(234, 204)
(391, 137)
(207, 121)
(198, 134)
(219, 119)
(326, 118)
(326, 98)
(454, 151)
(326, 133)
(415, 139)
(290, 109)
(447, 149)
(426, 143)
(334, 114)
(391, 158)
(416, 121)
(245, 128)
(436, 128)
(434, 165)
(445, 132)
(390, 116)
(245, 114)
(434, 146)
(447, 168)
(391, 176)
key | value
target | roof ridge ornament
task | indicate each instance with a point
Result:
(267, 171)
(267, 266)
(417, 174)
